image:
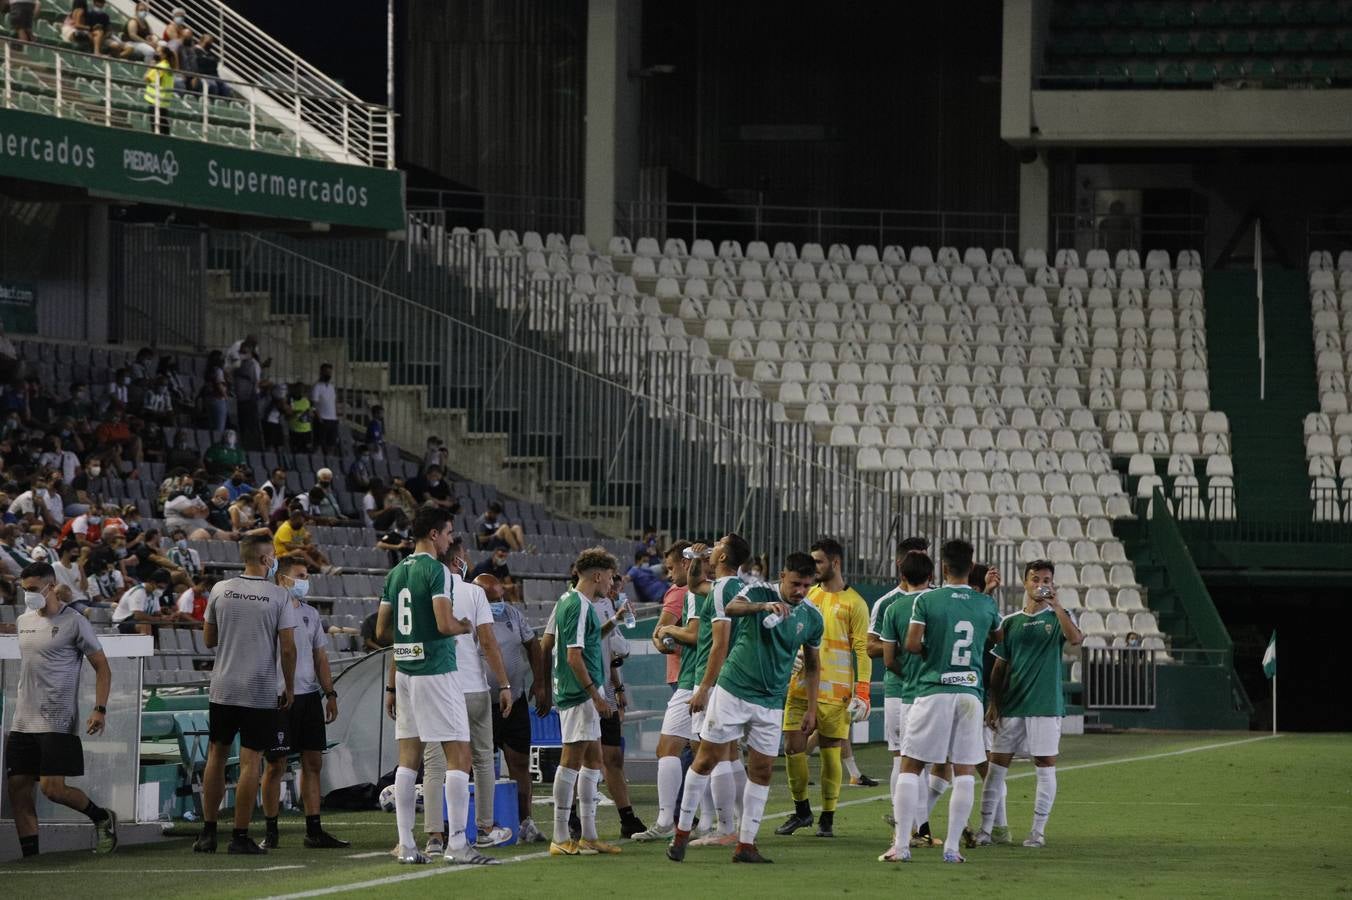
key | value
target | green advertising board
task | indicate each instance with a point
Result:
(19, 307)
(153, 169)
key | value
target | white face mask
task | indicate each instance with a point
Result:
(34, 600)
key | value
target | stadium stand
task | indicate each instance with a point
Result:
(1182, 44)
(1328, 432)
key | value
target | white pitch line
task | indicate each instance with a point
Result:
(101, 872)
(371, 855)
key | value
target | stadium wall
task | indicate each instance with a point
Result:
(54, 269)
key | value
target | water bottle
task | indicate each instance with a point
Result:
(1044, 593)
(629, 620)
(689, 553)
(189, 816)
(669, 643)
(771, 621)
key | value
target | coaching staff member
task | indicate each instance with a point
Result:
(249, 620)
(43, 747)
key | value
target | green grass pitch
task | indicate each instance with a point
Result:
(1164, 815)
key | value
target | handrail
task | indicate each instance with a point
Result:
(1166, 540)
(362, 130)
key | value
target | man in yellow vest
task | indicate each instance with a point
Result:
(160, 89)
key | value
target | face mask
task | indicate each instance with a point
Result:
(95, 471)
(499, 606)
(179, 20)
(218, 503)
(181, 543)
(433, 482)
(126, 381)
(236, 480)
(141, 14)
(301, 589)
(272, 569)
(121, 552)
(231, 441)
(34, 600)
(95, 520)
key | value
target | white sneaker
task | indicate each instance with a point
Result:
(655, 833)
(528, 833)
(983, 839)
(493, 837)
(896, 854)
(435, 846)
(412, 856)
(469, 856)
(1035, 839)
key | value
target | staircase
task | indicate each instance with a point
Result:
(301, 323)
(1271, 481)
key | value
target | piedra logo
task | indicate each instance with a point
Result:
(161, 168)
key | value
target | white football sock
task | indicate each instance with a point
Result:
(587, 781)
(1046, 796)
(851, 766)
(668, 786)
(906, 806)
(991, 791)
(753, 807)
(695, 786)
(457, 808)
(959, 809)
(892, 779)
(739, 782)
(1000, 819)
(937, 786)
(405, 804)
(564, 780)
(725, 796)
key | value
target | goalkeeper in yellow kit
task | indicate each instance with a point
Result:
(843, 697)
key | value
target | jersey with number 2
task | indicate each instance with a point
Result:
(419, 646)
(958, 622)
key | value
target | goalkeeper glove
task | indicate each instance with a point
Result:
(859, 704)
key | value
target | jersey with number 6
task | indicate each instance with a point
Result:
(419, 646)
(958, 621)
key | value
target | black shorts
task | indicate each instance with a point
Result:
(128, 626)
(258, 729)
(21, 17)
(303, 726)
(47, 753)
(513, 732)
(610, 731)
(326, 432)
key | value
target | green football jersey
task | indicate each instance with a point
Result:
(957, 622)
(895, 621)
(761, 659)
(419, 646)
(576, 625)
(685, 679)
(710, 609)
(1031, 649)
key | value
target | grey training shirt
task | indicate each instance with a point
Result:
(309, 637)
(513, 633)
(249, 613)
(52, 652)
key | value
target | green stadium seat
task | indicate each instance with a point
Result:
(1110, 73)
(1327, 13)
(1236, 42)
(1231, 70)
(1291, 70)
(1090, 15)
(1118, 43)
(1178, 15)
(1266, 43)
(1238, 14)
(33, 103)
(191, 131)
(1211, 15)
(1324, 41)
(1262, 70)
(1143, 72)
(1270, 14)
(1202, 73)
(1178, 43)
(1207, 44)
(1174, 74)
(1342, 70)
(1145, 42)
(1321, 70)
(1299, 14)
(1296, 43)
(45, 30)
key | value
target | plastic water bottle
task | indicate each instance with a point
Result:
(669, 643)
(771, 621)
(629, 620)
(689, 553)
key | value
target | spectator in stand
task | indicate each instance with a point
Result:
(495, 564)
(183, 556)
(395, 539)
(322, 507)
(250, 513)
(116, 430)
(141, 366)
(293, 537)
(79, 405)
(157, 405)
(13, 558)
(215, 393)
(159, 95)
(276, 418)
(237, 485)
(21, 16)
(373, 502)
(248, 387)
(58, 458)
(300, 421)
(187, 512)
(146, 557)
(178, 385)
(176, 27)
(649, 547)
(224, 456)
(42, 500)
(101, 33)
(139, 609)
(436, 454)
(75, 27)
(648, 586)
(324, 397)
(493, 530)
(362, 470)
(193, 601)
(370, 639)
(375, 432)
(277, 496)
(70, 575)
(430, 487)
(218, 512)
(137, 36)
(104, 579)
(180, 455)
(87, 528)
(209, 67)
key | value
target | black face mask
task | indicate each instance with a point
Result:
(236, 479)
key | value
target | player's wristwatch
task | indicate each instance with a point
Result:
(101, 709)
(334, 694)
(389, 690)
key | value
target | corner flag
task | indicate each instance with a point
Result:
(1270, 657)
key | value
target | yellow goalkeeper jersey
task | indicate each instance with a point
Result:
(844, 647)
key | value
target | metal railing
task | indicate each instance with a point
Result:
(1166, 541)
(280, 75)
(101, 91)
(473, 210)
(1322, 522)
(1130, 231)
(1119, 677)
